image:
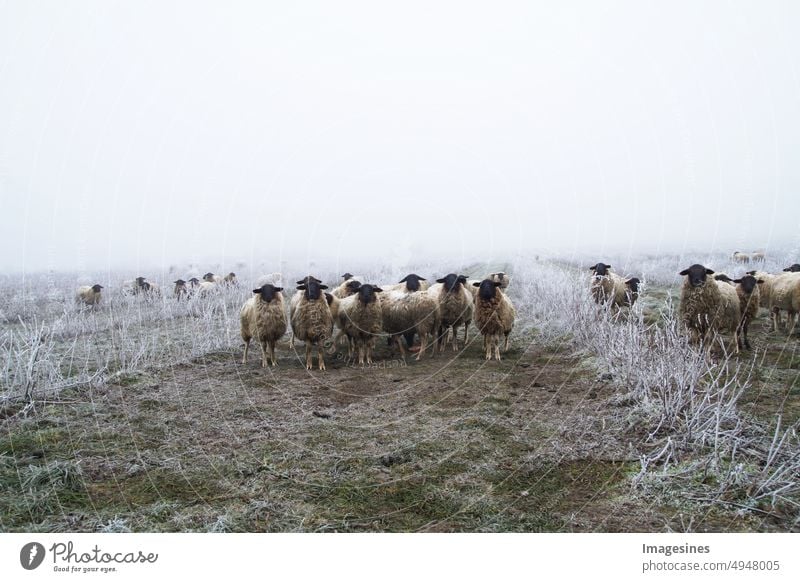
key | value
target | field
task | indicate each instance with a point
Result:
(139, 416)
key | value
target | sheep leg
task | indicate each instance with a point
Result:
(423, 345)
(264, 353)
(505, 349)
(466, 333)
(272, 352)
(246, 346)
(775, 316)
(309, 360)
(399, 341)
(454, 336)
(371, 344)
(321, 356)
(496, 342)
(487, 349)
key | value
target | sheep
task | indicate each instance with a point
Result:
(792, 268)
(230, 279)
(456, 306)
(501, 278)
(408, 284)
(311, 319)
(206, 288)
(785, 295)
(295, 300)
(263, 317)
(89, 295)
(740, 257)
(707, 306)
(765, 288)
(347, 287)
(212, 278)
(360, 316)
(724, 278)
(758, 256)
(747, 288)
(494, 316)
(408, 312)
(631, 291)
(181, 290)
(607, 287)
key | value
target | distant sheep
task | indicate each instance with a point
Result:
(500, 277)
(206, 288)
(758, 256)
(494, 316)
(89, 295)
(631, 291)
(181, 289)
(230, 279)
(310, 318)
(361, 319)
(747, 289)
(741, 257)
(456, 306)
(348, 286)
(264, 318)
(707, 307)
(212, 278)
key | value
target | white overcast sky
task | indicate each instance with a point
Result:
(149, 133)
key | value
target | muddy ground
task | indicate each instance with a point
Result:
(452, 443)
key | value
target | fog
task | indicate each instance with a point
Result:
(155, 133)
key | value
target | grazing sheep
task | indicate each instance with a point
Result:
(311, 319)
(494, 316)
(741, 257)
(785, 296)
(141, 286)
(758, 256)
(264, 318)
(360, 317)
(707, 306)
(89, 295)
(181, 290)
(407, 313)
(747, 288)
(607, 287)
(456, 306)
(793, 268)
(212, 278)
(230, 279)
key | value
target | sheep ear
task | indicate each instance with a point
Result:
(377, 290)
(592, 268)
(737, 280)
(476, 284)
(760, 281)
(709, 272)
(787, 269)
(497, 283)
(462, 278)
(608, 266)
(256, 291)
(684, 273)
(323, 286)
(404, 279)
(301, 282)
(442, 280)
(301, 287)
(276, 289)
(422, 278)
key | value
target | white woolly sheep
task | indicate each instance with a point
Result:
(295, 300)
(311, 320)
(409, 310)
(181, 289)
(456, 306)
(212, 278)
(741, 257)
(360, 317)
(500, 277)
(206, 289)
(263, 317)
(348, 286)
(785, 296)
(230, 279)
(707, 307)
(494, 316)
(89, 295)
(758, 256)
(747, 288)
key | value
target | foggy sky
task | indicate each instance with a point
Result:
(150, 133)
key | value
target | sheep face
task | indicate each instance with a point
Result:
(347, 276)
(180, 283)
(267, 292)
(97, 288)
(697, 275)
(633, 284)
(366, 293)
(308, 278)
(412, 281)
(600, 269)
(313, 289)
(452, 282)
(748, 283)
(194, 282)
(487, 289)
(208, 277)
(352, 286)
(140, 281)
(793, 268)
(329, 299)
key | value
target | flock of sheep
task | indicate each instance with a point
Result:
(712, 305)
(357, 313)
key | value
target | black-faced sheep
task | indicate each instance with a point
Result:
(89, 295)
(263, 317)
(181, 289)
(311, 319)
(456, 306)
(407, 311)
(747, 288)
(707, 307)
(212, 278)
(360, 317)
(230, 279)
(607, 287)
(631, 291)
(494, 316)
(347, 287)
